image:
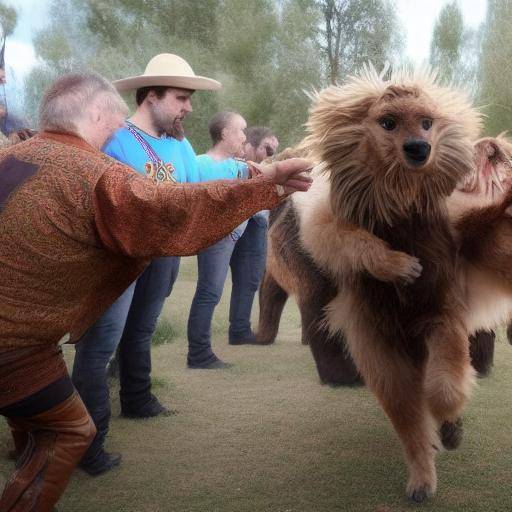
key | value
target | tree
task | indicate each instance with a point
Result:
(263, 51)
(495, 73)
(447, 41)
(266, 53)
(356, 32)
(8, 18)
(455, 49)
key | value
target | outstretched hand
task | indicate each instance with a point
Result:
(290, 175)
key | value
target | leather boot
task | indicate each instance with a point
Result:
(57, 439)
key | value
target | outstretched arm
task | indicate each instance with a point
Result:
(141, 219)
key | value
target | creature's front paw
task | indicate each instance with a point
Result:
(399, 266)
(409, 268)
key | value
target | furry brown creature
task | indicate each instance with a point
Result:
(292, 271)
(376, 249)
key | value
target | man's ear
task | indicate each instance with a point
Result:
(151, 97)
(96, 113)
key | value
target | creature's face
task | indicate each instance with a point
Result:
(392, 148)
(401, 131)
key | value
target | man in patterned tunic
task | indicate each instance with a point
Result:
(73, 236)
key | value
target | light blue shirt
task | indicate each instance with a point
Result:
(229, 169)
(178, 157)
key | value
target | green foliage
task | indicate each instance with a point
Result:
(266, 53)
(8, 18)
(447, 40)
(495, 67)
(359, 31)
(455, 49)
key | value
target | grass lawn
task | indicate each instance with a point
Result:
(265, 436)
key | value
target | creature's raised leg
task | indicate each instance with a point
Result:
(449, 378)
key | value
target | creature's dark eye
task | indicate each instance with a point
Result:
(426, 124)
(388, 123)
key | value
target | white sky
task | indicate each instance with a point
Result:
(417, 16)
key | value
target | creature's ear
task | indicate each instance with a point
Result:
(491, 176)
(493, 166)
(486, 148)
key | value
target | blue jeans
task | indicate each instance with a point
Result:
(247, 267)
(245, 253)
(129, 323)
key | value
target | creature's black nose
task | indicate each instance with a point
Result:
(416, 151)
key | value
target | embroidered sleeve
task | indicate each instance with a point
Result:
(138, 218)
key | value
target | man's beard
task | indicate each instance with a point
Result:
(172, 127)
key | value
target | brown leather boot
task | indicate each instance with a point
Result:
(57, 439)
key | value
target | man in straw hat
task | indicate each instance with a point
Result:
(153, 143)
(74, 233)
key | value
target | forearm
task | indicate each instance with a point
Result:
(141, 219)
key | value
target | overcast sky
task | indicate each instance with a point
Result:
(417, 16)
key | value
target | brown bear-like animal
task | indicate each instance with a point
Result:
(375, 257)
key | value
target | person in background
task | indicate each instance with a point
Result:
(221, 161)
(249, 257)
(153, 143)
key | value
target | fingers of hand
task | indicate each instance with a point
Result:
(293, 185)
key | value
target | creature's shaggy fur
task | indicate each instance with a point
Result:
(376, 232)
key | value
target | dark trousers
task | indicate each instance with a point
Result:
(245, 252)
(129, 323)
(247, 267)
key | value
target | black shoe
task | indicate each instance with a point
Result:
(149, 410)
(249, 339)
(216, 364)
(103, 463)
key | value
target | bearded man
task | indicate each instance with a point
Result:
(152, 143)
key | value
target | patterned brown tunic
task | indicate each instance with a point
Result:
(76, 228)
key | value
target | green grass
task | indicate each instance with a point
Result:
(265, 436)
(165, 332)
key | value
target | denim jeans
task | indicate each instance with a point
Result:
(247, 267)
(246, 255)
(212, 270)
(129, 323)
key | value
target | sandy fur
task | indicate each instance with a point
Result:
(364, 188)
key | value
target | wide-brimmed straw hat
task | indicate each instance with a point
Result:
(168, 70)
